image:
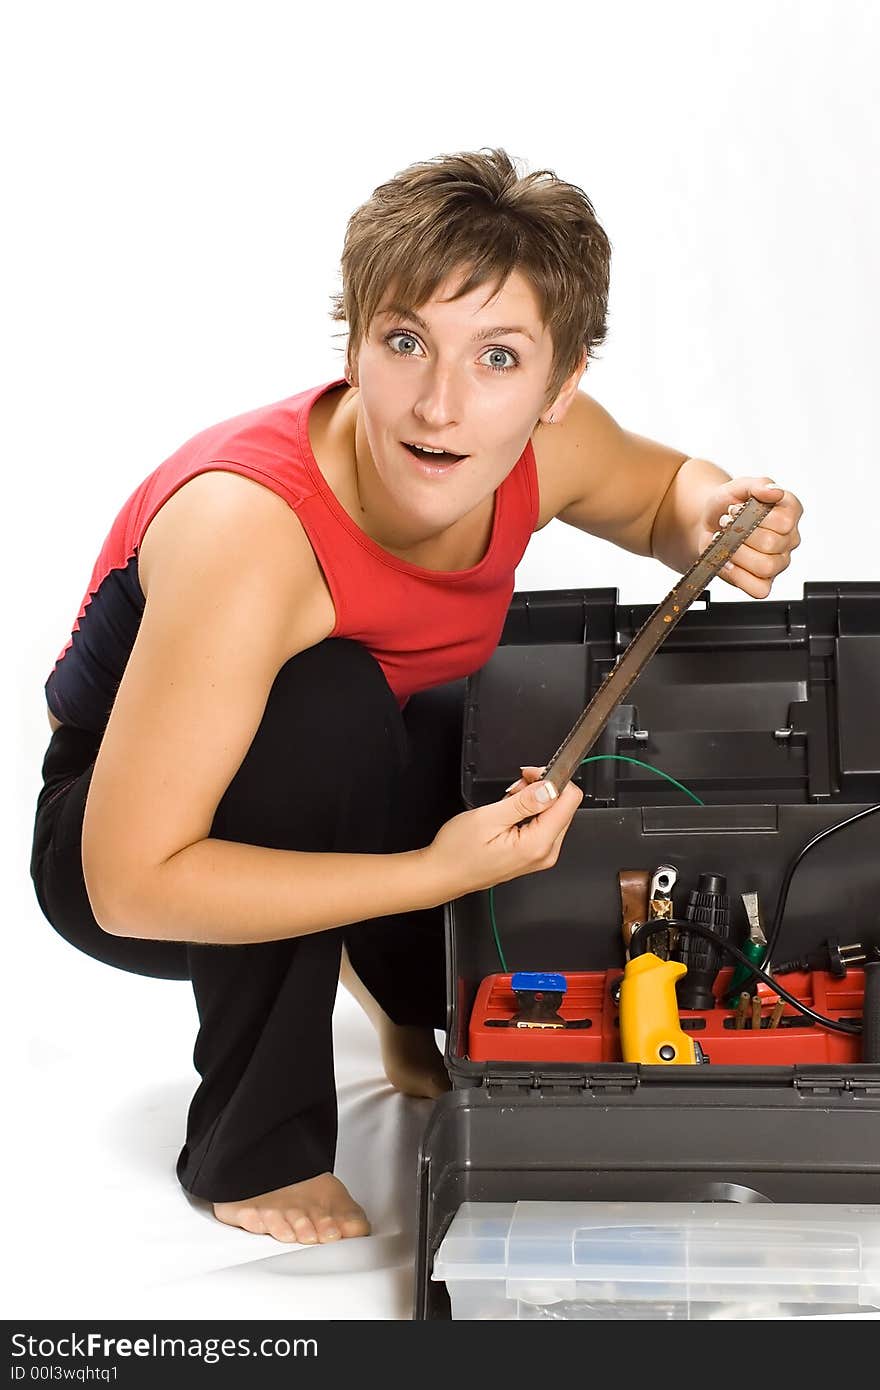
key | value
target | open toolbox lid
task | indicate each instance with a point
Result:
(758, 1258)
(751, 702)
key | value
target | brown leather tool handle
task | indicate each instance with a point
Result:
(633, 885)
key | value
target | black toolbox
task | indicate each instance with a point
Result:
(768, 711)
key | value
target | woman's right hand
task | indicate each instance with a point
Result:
(491, 844)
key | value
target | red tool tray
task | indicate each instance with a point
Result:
(795, 1041)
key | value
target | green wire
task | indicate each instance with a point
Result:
(597, 758)
(495, 930)
(621, 758)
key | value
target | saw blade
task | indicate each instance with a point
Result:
(577, 743)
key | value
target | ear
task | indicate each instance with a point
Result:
(556, 410)
(352, 358)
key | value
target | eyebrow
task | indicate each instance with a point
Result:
(401, 311)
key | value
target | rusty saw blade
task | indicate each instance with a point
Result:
(567, 758)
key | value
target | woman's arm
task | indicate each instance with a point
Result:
(231, 596)
(233, 592)
(657, 501)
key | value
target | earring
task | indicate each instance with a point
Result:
(550, 418)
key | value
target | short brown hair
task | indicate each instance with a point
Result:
(474, 211)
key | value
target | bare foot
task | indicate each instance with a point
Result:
(410, 1056)
(412, 1061)
(312, 1212)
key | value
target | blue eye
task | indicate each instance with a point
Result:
(407, 338)
(501, 352)
(402, 337)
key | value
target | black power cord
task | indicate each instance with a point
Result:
(789, 875)
(645, 929)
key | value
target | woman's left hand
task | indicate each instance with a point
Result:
(767, 552)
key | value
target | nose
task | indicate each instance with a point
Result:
(438, 404)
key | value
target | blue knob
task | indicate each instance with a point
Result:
(536, 979)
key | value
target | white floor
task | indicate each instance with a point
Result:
(96, 1224)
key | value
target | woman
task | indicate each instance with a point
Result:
(256, 722)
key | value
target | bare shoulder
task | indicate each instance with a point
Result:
(251, 524)
(601, 478)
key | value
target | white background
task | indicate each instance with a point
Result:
(177, 181)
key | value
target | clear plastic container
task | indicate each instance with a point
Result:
(661, 1260)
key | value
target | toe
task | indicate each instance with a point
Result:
(327, 1229)
(246, 1218)
(354, 1223)
(277, 1226)
(305, 1230)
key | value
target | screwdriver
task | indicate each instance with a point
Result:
(754, 947)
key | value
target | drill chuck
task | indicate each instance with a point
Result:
(709, 905)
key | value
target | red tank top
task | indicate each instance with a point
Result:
(424, 627)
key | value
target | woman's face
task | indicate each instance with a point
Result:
(467, 375)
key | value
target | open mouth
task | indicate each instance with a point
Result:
(429, 456)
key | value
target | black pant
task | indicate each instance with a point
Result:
(378, 781)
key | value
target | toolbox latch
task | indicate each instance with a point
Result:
(567, 1082)
(824, 1084)
(507, 1083)
(865, 1088)
(621, 1083)
(821, 1085)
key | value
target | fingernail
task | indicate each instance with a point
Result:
(729, 565)
(508, 790)
(544, 791)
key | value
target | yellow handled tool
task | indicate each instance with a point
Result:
(649, 1028)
